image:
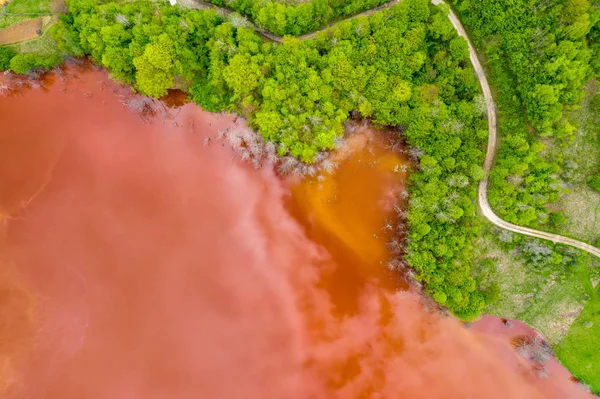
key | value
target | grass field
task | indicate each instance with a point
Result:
(581, 205)
(562, 306)
(20, 10)
(579, 350)
(44, 45)
(29, 7)
(7, 21)
(547, 297)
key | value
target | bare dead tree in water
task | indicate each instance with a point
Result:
(167, 113)
(540, 371)
(395, 246)
(221, 133)
(4, 89)
(271, 153)
(140, 106)
(415, 153)
(287, 165)
(533, 348)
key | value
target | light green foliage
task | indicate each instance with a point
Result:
(578, 351)
(154, 68)
(242, 76)
(68, 37)
(25, 63)
(296, 19)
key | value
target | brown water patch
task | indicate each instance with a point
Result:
(165, 269)
(174, 98)
(347, 212)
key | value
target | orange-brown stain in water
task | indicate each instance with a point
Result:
(350, 212)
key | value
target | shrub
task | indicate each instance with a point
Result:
(595, 182)
(25, 63)
(6, 54)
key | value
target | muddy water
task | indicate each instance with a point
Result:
(138, 262)
(347, 212)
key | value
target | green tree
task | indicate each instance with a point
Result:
(242, 75)
(154, 68)
(6, 54)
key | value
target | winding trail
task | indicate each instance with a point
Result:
(484, 204)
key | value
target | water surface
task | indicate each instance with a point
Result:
(138, 262)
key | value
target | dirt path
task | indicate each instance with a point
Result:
(491, 152)
(19, 32)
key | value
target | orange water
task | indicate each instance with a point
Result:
(142, 264)
(347, 212)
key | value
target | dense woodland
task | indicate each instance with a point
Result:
(24, 63)
(285, 18)
(539, 54)
(540, 60)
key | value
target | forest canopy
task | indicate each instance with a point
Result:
(540, 54)
(296, 19)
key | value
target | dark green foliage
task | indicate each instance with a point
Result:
(558, 219)
(25, 63)
(67, 37)
(595, 182)
(593, 37)
(6, 54)
(403, 67)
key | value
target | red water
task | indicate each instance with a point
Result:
(146, 265)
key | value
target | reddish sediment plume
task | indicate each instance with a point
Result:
(163, 268)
